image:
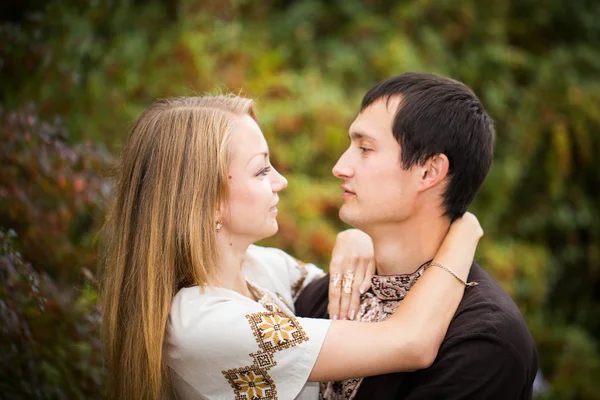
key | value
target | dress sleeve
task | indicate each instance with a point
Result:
(289, 276)
(231, 348)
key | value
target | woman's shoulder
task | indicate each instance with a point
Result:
(205, 321)
(200, 305)
(278, 271)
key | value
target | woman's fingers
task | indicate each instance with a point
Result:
(335, 292)
(362, 283)
(354, 300)
(366, 284)
(348, 280)
(353, 276)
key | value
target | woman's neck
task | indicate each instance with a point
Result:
(231, 259)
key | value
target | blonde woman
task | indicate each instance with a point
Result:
(193, 310)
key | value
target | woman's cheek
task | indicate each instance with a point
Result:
(245, 198)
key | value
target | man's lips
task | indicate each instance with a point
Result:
(347, 192)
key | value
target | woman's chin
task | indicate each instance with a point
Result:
(273, 228)
(268, 232)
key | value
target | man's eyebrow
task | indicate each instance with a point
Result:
(356, 135)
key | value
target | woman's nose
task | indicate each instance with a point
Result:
(279, 181)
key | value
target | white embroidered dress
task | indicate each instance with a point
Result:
(222, 345)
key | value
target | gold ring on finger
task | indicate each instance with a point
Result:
(348, 279)
(335, 279)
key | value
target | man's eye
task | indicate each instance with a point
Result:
(264, 171)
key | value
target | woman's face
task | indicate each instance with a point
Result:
(251, 211)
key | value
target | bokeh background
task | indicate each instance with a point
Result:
(74, 74)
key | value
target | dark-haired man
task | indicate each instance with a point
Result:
(420, 148)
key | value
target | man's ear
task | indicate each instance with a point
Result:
(433, 171)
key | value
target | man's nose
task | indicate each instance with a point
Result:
(342, 168)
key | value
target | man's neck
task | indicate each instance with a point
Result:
(403, 248)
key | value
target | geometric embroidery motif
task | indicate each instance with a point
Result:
(274, 331)
(251, 383)
(268, 305)
(263, 360)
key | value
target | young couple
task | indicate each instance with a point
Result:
(194, 310)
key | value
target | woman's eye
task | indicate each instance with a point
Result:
(364, 149)
(264, 171)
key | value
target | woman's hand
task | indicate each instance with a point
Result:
(461, 242)
(352, 266)
(468, 225)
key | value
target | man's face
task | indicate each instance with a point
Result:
(376, 189)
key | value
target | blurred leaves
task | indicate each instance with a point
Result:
(49, 344)
(90, 67)
(52, 193)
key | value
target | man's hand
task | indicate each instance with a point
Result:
(352, 266)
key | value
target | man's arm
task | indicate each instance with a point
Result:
(480, 366)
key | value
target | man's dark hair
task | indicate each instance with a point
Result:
(440, 115)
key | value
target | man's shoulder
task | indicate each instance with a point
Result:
(492, 305)
(488, 337)
(487, 310)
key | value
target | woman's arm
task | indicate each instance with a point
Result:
(409, 339)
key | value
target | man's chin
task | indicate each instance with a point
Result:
(348, 216)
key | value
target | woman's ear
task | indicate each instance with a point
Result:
(434, 171)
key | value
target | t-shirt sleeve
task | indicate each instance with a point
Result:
(227, 348)
(314, 299)
(482, 367)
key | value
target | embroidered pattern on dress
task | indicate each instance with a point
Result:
(269, 306)
(274, 331)
(296, 286)
(251, 383)
(280, 297)
(265, 300)
(263, 360)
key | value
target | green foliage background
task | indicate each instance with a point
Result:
(75, 74)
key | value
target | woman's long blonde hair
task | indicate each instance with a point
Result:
(160, 232)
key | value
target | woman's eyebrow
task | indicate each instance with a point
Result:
(265, 154)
